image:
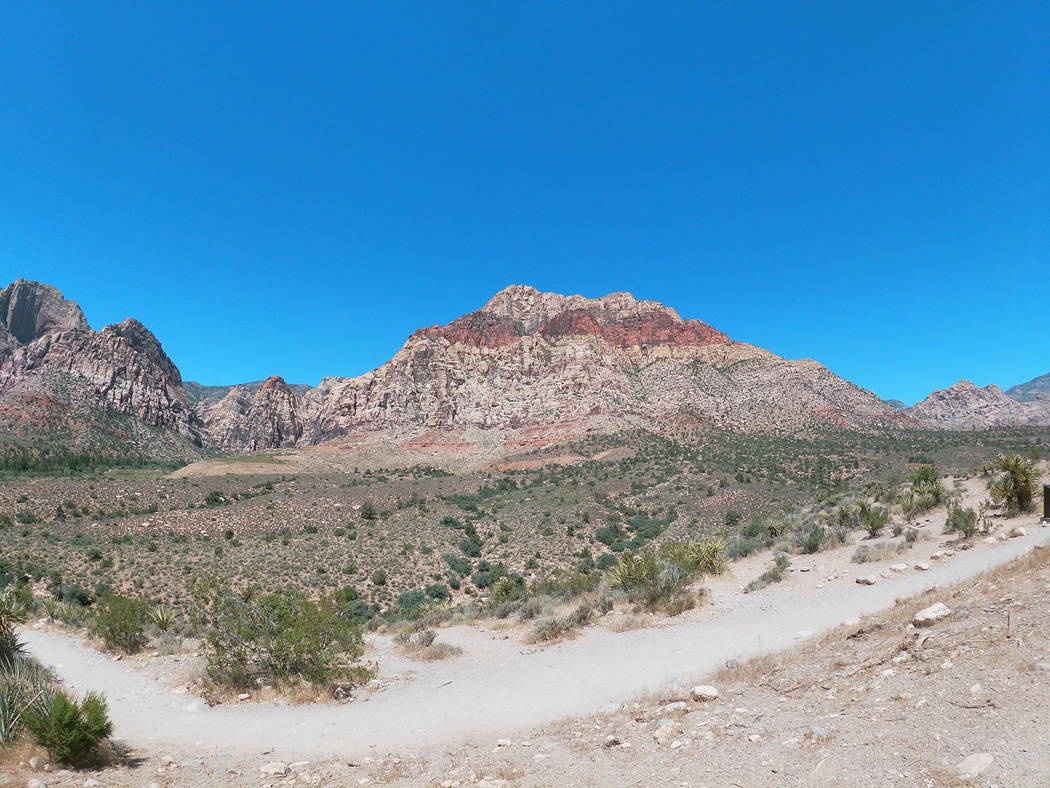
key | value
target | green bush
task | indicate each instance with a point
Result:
(774, 574)
(121, 623)
(274, 637)
(67, 730)
(961, 521)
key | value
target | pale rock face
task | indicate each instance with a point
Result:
(965, 406)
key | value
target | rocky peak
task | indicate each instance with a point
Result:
(619, 319)
(30, 310)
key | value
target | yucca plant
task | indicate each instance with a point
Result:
(25, 687)
(12, 613)
(162, 617)
(1015, 487)
(52, 607)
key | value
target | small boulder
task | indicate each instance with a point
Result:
(931, 614)
(671, 708)
(867, 580)
(973, 766)
(899, 567)
(704, 693)
(275, 769)
(817, 733)
(1019, 531)
(922, 566)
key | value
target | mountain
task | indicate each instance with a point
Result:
(113, 390)
(1026, 392)
(525, 370)
(542, 365)
(965, 406)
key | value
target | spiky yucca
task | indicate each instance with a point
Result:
(1015, 486)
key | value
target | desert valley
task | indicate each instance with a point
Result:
(559, 540)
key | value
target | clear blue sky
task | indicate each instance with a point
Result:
(292, 188)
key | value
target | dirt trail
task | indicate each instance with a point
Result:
(459, 701)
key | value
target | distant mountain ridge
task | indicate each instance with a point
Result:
(526, 369)
(965, 406)
(1027, 392)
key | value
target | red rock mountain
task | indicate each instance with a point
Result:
(527, 368)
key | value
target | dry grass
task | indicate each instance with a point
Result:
(17, 754)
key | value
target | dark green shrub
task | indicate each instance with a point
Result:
(70, 732)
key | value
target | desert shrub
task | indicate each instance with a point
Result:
(742, 547)
(274, 637)
(68, 730)
(458, 564)
(1015, 486)
(961, 521)
(423, 645)
(216, 498)
(368, 511)
(121, 623)
(812, 539)
(872, 519)
(774, 574)
(438, 591)
(379, 577)
(879, 551)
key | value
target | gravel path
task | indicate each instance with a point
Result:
(452, 703)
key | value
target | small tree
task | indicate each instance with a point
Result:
(1015, 487)
(873, 519)
(368, 511)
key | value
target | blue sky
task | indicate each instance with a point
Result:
(292, 188)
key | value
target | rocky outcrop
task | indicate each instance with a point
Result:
(270, 417)
(965, 406)
(30, 310)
